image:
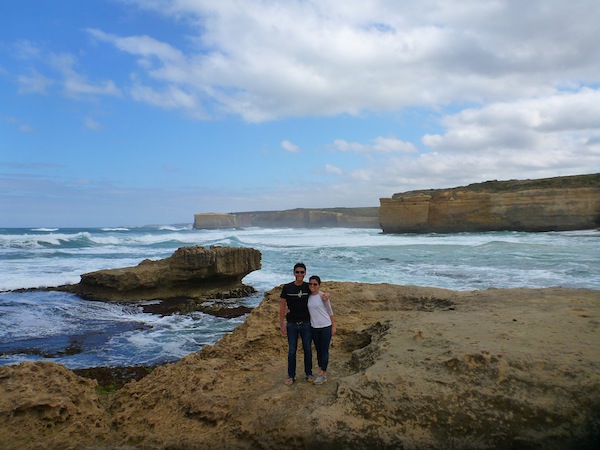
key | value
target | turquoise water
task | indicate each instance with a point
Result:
(42, 325)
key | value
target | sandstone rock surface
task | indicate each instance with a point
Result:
(551, 204)
(193, 272)
(297, 218)
(411, 367)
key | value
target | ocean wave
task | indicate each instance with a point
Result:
(36, 241)
(44, 229)
(174, 228)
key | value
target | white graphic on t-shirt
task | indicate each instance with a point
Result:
(300, 294)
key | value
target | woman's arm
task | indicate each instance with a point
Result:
(329, 310)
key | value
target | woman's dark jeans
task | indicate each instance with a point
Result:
(302, 330)
(322, 339)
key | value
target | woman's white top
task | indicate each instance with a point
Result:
(319, 311)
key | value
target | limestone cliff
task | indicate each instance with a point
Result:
(296, 218)
(550, 204)
(410, 368)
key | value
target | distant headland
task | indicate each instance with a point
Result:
(545, 204)
(295, 218)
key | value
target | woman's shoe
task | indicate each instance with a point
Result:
(320, 380)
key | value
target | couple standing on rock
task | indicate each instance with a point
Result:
(308, 316)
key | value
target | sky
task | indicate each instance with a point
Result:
(138, 112)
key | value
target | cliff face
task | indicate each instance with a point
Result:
(296, 218)
(410, 367)
(563, 203)
(213, 221)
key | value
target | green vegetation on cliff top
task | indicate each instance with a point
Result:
(574, 181)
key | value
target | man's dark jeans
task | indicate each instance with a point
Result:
(302, 330)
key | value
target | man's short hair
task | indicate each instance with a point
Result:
(300, 265)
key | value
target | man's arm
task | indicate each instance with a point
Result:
(282, 311)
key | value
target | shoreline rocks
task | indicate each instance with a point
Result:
(191, 272)
(410, 367)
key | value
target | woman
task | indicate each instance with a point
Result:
(322, 325)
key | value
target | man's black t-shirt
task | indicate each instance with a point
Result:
(297, 302)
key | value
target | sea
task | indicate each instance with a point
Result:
(36, 324)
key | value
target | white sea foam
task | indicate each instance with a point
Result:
(175, 228)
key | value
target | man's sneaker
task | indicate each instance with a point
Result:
(320, 380)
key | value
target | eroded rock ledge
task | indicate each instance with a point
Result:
(411, 367)
(191, 272)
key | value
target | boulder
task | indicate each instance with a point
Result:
(191, 272)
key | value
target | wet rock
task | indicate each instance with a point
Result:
(192, 272)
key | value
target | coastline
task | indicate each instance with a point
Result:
(411, 367)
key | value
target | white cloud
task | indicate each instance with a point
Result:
(534, 138)
(91, 124)
(171, 97)
(567, 122)
(292, 148)
(21, 126)
(76, 84)
(145, 46)
(329, 168)
(26, 128)
(379, 145)
(264, 59)
(66, 75)
(35, 83)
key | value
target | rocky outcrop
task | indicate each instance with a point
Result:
(295, 218)
(410, 367)
(550, 204)
(194, 272)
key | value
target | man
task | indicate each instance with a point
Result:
(293, 304)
